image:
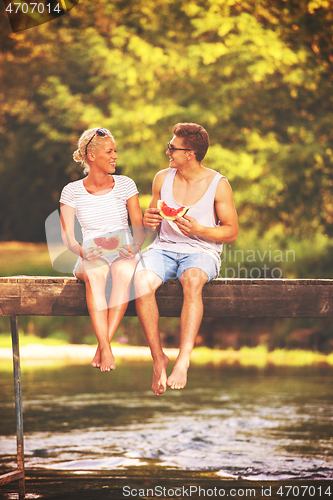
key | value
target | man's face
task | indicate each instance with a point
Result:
(177, 152)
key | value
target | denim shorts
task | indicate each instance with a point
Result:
(171, 265)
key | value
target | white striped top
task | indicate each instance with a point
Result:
(99, 215)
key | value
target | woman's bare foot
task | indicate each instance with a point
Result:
(96, 361)
(178, 377)
(159, 376)
(107, 360)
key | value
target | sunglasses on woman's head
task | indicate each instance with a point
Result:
(102, 132)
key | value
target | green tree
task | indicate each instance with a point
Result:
(256, 74)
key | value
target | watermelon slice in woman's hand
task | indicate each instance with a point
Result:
(169, 213)
(109, 245)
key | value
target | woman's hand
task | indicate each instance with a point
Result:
(91, 253)
(129, 251)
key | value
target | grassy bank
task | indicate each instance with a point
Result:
(35, 349)
(260, 357)
(6, 341)
(31, 259)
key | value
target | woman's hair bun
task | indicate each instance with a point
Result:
(77, 156)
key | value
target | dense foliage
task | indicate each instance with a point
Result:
(256, 73)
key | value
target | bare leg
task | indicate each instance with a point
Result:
(146, 283)
(122, 271)
(95, 274)
(192, 281)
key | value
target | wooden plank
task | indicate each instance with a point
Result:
(258, 300)
(43, 298)
(282, 301)
(11, 476)
(48, 296)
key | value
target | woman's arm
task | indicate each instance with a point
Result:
(135, 215)
(67, 219)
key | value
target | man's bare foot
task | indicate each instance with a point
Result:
(96, 361)
(159, 376)
(107, 360)
(178, 377)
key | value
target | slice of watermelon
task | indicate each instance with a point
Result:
(109, 244)
(169, 213)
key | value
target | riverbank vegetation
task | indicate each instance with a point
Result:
(259, 357)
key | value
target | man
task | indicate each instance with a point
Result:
(188, 249)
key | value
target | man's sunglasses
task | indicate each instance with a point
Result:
(102, 132)
(171, 148)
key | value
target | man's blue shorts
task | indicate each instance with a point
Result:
(171, 265)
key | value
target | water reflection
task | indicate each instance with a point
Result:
(239, 423)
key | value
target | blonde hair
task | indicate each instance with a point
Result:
(94, 141)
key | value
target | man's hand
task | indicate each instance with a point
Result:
(188, 226)
(91, 253)
(152, 218)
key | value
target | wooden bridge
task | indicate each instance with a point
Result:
(233, 297)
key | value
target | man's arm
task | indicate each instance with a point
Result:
(152, 219)
(226, 213)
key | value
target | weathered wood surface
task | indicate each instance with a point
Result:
(11, 476)
(65, 296)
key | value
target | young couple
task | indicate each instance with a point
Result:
(188, 248)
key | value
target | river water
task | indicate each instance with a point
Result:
(269, 424)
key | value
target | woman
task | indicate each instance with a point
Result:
(102, 202)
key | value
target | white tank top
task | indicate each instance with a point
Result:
(172, 239)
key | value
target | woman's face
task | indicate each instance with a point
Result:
(105, 157)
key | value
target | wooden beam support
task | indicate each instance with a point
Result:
(19, 474)
(11, 476)
(18, 403)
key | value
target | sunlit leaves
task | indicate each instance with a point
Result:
(255, 73)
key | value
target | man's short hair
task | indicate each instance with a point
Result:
(194, 137)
